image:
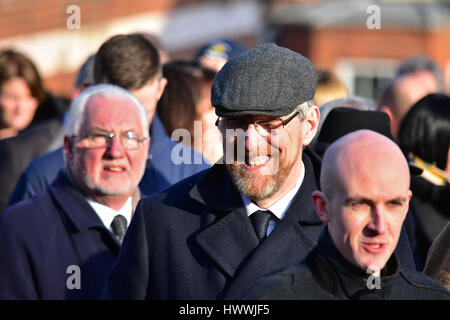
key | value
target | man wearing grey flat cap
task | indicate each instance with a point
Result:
(216, 233)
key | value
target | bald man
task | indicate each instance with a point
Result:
(402, 93)
(364, 201)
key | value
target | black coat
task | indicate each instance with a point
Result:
(430, 211)
(195, 241)
(325, 275)
(41, 238)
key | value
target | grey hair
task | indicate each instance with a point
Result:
(354, 102)
(78, 106)
(303, 108)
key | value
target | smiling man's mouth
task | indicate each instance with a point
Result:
(255, 162)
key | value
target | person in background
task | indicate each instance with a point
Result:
(21, 92)
(61, 243)
(427, 67)
(363, 202)
(23, 100)
(424, 137)
(32, 116)
(329, 87)
(438, 259)
(415, 78)
(186, 104)
(217, 52)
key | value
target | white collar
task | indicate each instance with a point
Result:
(280, 207)
(107, 214)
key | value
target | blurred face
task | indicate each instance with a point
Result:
(150, 94)
(264, 168)
(211, 138)
(366, 211)
(17, 105)
(214, 63)
(111, 170)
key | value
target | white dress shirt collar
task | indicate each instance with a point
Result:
(106, 214)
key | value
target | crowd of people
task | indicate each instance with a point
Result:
(242, 173)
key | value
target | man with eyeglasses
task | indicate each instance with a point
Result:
(61, 243)
(214, 234)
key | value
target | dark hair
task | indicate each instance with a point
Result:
(187, 83)
(128, 61)
(86, 72)
(421, 63)
(14, 64)
(425, 129)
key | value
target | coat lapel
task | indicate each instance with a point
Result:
(228, 235)
(229, 241)
(78, 216)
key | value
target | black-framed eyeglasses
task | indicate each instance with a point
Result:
(130, 140)
(264, 127)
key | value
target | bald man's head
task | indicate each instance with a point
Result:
(365, 196)
(362, 149)
(403, 92)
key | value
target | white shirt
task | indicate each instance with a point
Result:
(106, 214)
(280, 207)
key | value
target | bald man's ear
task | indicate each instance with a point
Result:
(311, 124)
(392, 119)
(320, 205)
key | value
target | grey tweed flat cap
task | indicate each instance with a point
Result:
(266, 80)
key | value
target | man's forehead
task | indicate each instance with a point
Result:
(113, 110)
(107, 104)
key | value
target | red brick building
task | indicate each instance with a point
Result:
(342, 36)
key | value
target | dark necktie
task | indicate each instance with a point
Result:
(119, 227)
(260, 220)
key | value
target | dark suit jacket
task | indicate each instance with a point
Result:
(195, 241)
(17, 152)
(41, 238)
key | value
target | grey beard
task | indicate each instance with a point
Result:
(246, 186)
